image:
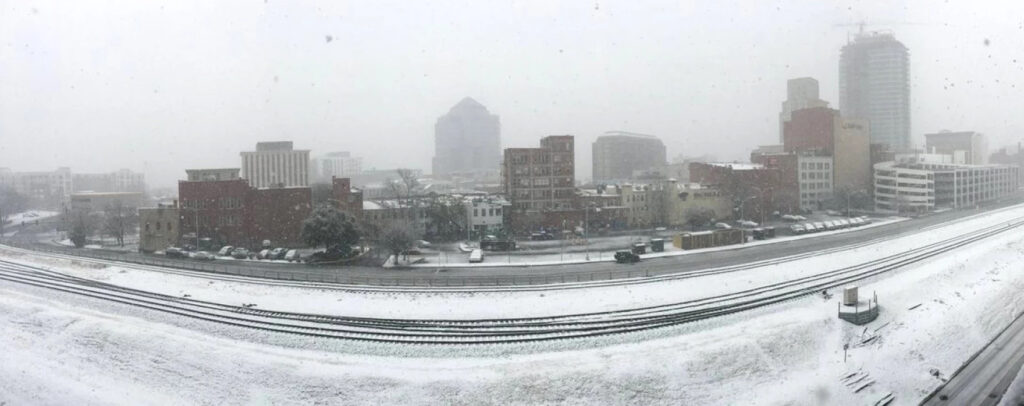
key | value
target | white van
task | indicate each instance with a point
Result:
(476, 256)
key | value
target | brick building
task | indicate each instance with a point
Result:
(756, 191)
(540, 183)
(349, 199)
(230, 212)
(821, 131)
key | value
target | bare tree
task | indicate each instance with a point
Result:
(397, 237)
(119, 220)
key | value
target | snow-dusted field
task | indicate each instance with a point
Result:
(75, 351)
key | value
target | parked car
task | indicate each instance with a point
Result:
(810, 228)
(832, 212)
(240, 253)
(476, 256)
(844, 223)
(225, 250)
(797, 229)
(660, 228)
(175, 252)
(423, 244)
(866, 219)
(722, 226)
(626, 257)
(800, 218)
(292, 256)
(541, 236)
(203, 256)
(790, 217)
(747, 223)
(263, 254)
(830, 225)
(277, 253)
(820, 226)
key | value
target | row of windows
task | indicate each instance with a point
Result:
(815, 175)
(815, 185)
(221, 203)
(484, 212)
(815, 165)
(157, 226)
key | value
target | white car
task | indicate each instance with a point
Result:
(476, 256)
(810, 228)
(797, 229)
(747, 223)
(722, 226)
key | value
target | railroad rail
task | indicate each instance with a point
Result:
(491, 331)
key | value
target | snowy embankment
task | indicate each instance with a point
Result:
(934, 316)
(474, 305)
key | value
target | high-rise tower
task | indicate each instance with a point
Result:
(467, 140)
(874, 83)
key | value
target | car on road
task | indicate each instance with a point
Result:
(476, 256)
(225, 250)
(626, 257)
(240, 253)
(277, 253)
(203, 256)
(541, 236)
(175, 252)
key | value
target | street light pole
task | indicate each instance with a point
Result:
(586, 230)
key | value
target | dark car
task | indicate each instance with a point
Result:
(626, 257)
(175, 252)
(542, 236)
(277, 253)
(240, 253)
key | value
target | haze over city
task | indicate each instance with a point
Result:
(156, 87)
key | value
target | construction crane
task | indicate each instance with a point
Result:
(860, 25)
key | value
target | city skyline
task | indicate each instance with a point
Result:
(167, 110)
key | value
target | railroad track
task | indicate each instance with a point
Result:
(490, 331)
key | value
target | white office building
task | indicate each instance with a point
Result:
(925, 182)
(276, 164)
(336, 165)
(816, 183)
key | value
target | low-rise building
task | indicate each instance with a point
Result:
(486, 214)
(159, 227)
(925, 182)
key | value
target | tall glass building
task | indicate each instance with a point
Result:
(874, 84)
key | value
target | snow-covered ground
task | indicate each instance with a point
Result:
(434, 259)
(934, 316)
(27, 217)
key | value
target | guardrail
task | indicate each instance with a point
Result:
(336, 275)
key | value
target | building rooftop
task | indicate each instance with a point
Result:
(737, 166)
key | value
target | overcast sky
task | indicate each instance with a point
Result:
(164, 86)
